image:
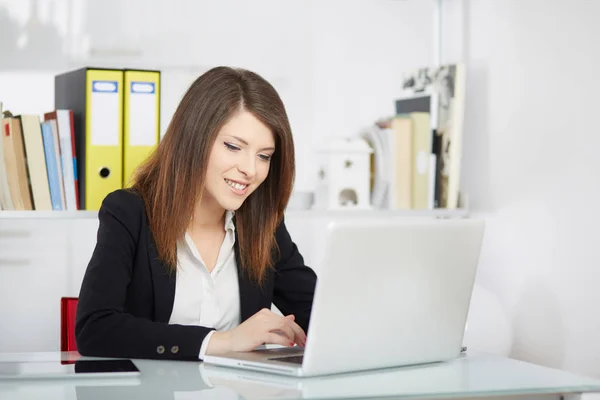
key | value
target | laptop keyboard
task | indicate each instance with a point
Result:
(290, 359)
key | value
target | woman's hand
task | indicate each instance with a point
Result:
(264, 327)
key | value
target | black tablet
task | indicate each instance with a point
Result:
(61, 369)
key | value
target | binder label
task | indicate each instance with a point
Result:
(105, 86)
(142, 87)
(143, 119)
(105, 113)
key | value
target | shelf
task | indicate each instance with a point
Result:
(48, 214)
(436, 213)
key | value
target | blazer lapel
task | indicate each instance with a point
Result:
(163, 281)
(249, 292)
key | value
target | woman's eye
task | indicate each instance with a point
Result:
(265, 157)
(230, 146)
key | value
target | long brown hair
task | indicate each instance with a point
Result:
(172, 179)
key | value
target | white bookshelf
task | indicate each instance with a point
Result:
(55, 246)
(436, 213)
(48, 214)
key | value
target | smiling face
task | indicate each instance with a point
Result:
(239, 161)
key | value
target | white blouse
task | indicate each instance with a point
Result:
(203, 298)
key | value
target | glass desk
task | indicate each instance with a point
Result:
(470, 376)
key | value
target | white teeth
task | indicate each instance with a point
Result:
(234, 185)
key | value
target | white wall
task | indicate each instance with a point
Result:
(530, 167)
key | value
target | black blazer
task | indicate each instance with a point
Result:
(127, 293)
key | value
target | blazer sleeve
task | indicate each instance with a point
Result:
(103, 326)
(294, 285)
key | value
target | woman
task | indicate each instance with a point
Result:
(189, 259)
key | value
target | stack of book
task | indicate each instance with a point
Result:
(417, 152)
(106, 122)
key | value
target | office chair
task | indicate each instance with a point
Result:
(68, 311)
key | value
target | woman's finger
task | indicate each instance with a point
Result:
(300, 336)
(285, 329)
(286, 326)
(275, 338)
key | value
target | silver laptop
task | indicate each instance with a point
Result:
(389, 293)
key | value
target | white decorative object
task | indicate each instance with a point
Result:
(344, 180)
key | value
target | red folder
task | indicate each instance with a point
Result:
(68, 310)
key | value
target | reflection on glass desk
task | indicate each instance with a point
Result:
(472, 375)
